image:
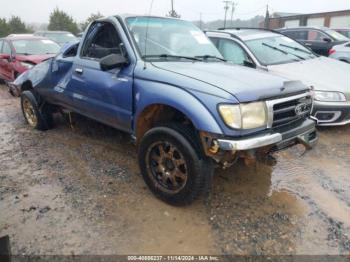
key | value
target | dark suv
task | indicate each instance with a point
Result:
(319, 39)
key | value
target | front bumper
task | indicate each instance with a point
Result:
(305, 134)
(331, 113)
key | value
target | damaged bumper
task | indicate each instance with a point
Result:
(304, 134)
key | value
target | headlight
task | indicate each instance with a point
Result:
(329, 96)
(27, 65)
(244, 116)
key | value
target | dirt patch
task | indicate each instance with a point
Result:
(79, 191)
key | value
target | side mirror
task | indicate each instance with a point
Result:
(327, 39)
(249, 64)
(5, 56)
(112, 61)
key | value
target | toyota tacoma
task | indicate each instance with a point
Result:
(163, 81)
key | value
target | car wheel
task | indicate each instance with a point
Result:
(37, 118)
(173, 166)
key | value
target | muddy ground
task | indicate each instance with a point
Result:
(79, 191)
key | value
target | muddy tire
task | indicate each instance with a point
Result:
(37, 117)
(173, 165)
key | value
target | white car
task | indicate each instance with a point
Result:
(280, 55)
(341, 52)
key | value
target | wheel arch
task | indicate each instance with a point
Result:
(154, 113)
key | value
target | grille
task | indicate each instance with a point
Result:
(288, 111)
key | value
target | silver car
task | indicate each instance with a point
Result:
(341, 52)
(280, 55)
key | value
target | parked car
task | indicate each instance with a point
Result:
(318, 39)
(19, 35)
(164, 82)
(345, 31)
(280, 55)
(341, 52)
(60, 37)
(19, 53)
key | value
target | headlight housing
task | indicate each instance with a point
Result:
(27, 65)
(244, 116)
(325, 96)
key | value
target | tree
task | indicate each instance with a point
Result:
(4, 28)
(61, 21)
(16, 25)
(90, 19)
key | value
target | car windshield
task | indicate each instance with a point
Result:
(36, 47)
(278, 50)
(163, 38)
(337, 36)
(61, 38)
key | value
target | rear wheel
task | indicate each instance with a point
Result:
(37, 118)
(172, 165)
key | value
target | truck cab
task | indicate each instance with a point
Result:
(164, 82)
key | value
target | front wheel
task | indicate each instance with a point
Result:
(37, 118)
(172, 165)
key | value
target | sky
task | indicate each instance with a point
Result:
(38, 11)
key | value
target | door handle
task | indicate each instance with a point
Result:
(79, 70)
(308, 44)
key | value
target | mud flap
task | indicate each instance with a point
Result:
(5, 250)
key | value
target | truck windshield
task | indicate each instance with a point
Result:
(278, 50)
(171, 39)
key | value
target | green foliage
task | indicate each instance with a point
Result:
(90, 19)
(4, 28)
(61, 21)
(17, 26)
(13, 26)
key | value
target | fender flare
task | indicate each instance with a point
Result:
(152, 93)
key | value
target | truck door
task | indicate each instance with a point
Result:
(105, 96)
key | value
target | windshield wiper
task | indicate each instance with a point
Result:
(172, 56)
(297, 49)
(283, 51)
(206, 57)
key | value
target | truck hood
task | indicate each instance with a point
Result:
(243, 83)
(34, 59)
(322, 73)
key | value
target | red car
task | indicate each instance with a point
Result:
(20, 53)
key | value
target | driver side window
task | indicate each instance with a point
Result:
(232, 51)
(101, 40)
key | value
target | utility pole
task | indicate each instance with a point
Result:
(233, 8)
(226, 8)
(200, 21)
(267, 18)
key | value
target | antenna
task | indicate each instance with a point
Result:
(146, 37)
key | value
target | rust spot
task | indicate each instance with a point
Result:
(156, 114)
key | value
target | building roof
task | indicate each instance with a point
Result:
(283, 14)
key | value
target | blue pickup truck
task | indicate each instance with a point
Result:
(165, 83)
